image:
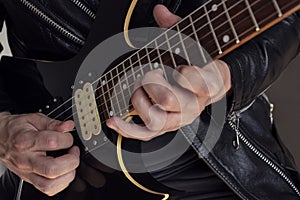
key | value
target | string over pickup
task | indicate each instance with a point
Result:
(87, 112)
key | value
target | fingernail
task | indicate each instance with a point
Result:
(77, 151)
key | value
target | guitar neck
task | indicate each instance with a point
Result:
(222, 25)
(218, 27)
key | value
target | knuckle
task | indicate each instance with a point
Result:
(20, 162)
(134, 100)
(50, 171)
(52, 141)
(168, 100)
(23, 141)
(155, 124)
(185, 70)
(76, 161)
(152, 73)
(45, 186)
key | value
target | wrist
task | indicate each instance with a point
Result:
(3, 114)
(3, 133)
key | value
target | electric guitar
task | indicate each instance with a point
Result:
(97, 83)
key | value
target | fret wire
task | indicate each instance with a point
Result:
(105, 100)
(277, 8)
(170, 28)
(131, 104)
(252, 15)
(108, 94)
(114, 96)
(132, 70)
(232, 40)
(148, 59)
(212, 30)
(73, 105)
(183, 46)
(230, 22)
(127, 83)
(121, 91)
(196, 10)
(236, 15)
(198, 41)
(164, 52)
(140, 64)
(249, 29)
(160, 56)
(162, 43)
(234, 5)
(169, 49)
(160, 60)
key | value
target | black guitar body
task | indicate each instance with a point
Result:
(44, 86)
(111, 67)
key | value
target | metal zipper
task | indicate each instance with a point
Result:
(51, 22)
(234, 122)
(84, 8)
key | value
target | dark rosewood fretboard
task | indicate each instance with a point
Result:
(219, 26)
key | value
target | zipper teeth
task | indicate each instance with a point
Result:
(265, 159)
(84, 8)
(50, 21)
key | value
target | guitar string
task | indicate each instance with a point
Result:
(122, 111)
(102, 104)
(151, 52)
(96, 147)
(103, 122)
(21, 181)
(203, 26)
(177, 43)
(128, 58)
(127, 96)
(108, 81)
(261, 22)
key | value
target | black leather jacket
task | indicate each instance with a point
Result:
(261, 167)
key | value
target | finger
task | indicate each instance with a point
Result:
(65, 126)
(173, 122)
(160, 91)
(41, 122)
(130, 130)
(207, 82)
(164, 17)
(42, 141)
(51, 186)
(141, 102)
(51, 141)
(51, 167)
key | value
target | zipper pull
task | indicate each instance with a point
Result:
(234, 122)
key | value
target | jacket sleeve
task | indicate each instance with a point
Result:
(258, 63)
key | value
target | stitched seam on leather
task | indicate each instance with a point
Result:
(222, 175)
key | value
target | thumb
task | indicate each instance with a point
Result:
(164, 17)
